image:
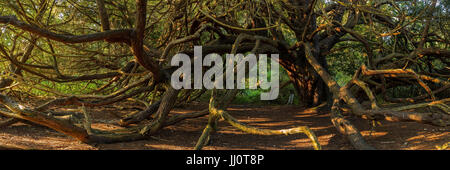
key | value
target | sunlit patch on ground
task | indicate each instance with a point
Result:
(183, 136)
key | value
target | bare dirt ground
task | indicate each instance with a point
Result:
(183, 136)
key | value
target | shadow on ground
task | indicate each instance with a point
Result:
(183, 136)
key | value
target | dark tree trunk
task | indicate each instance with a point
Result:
(311, 89)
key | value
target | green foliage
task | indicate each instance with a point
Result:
(347, 58)
(248, 96)
(79, 17)
(342, 78)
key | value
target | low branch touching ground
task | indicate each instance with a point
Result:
(216, 113)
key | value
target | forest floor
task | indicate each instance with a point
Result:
(184, 135)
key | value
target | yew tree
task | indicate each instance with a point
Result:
(89, 54)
